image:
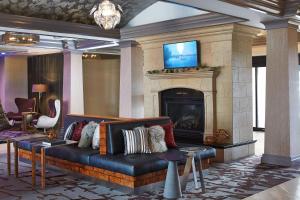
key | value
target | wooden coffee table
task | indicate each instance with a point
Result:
(12, 139)
(15, 141)
(36, 145)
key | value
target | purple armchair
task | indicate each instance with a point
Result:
(23, 105)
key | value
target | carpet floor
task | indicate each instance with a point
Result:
(235, 180)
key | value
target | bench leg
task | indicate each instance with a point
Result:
(43, 168)
(33, 166)
(8, 158)
(195, 173)
(201, 176)
(16, 159)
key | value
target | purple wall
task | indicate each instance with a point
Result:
(2, 80)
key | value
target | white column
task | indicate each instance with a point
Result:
(131, 80)
(282, 95)
(73, 84)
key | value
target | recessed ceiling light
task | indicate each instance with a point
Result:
(3, 53)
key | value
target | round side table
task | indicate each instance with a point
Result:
(172, 188)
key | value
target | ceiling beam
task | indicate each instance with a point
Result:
(56, 28)
(274, 7)
(198, 21)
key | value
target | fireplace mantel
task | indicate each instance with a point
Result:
(180, 75)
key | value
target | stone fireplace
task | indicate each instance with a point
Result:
(178, 95)
(227, 90)
(186, 109)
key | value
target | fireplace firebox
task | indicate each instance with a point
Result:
(186, 109)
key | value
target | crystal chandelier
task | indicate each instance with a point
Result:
(107, 15)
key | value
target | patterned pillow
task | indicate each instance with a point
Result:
(69, 131)
(157, 139)
(4, 124)
(136, 141)
(87, 135)
(77, 130)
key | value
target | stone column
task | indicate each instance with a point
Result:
(282, 95)
(131, 80)
(73, 84)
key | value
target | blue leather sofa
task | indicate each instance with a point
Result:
(109, 163)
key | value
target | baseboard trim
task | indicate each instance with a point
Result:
(285, 161)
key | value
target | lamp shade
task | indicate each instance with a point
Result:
(39, 88)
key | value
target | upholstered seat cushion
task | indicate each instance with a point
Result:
(27, 145)
(132, 165)
(70, 153)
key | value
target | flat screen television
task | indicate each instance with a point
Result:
(181, 55)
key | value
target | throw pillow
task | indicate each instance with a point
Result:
(69, 131)
(169, 135)
(157, 139)
(136, 141)
(4, 123)
(77, 130)
(87, 135)
(96, 138)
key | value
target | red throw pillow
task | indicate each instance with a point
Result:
(169, 135)
(77, 130)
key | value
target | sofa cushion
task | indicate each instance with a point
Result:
(132, 165)
(69, 119)
(87, 135)
(115, 141)
(96, 138)
(169, 135)
(157, 139)
(27, 145)
(77, 130)
(136, 141)
(72, 153)
(69, 131)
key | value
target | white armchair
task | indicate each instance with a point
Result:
(46, 122)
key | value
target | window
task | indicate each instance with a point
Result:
(259, 92)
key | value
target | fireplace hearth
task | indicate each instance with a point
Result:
(186, 109)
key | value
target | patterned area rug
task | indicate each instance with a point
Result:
(235, 180)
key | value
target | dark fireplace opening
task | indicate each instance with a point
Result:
(186, 109)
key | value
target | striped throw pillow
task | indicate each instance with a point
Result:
(136, 141)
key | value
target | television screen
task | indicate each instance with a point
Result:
(180, 55)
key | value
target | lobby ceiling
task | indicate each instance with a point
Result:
(70, 11)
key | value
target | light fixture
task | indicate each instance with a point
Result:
(20, 39)
(107, 15)
(89, 56)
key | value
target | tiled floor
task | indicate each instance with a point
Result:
(224, 181)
